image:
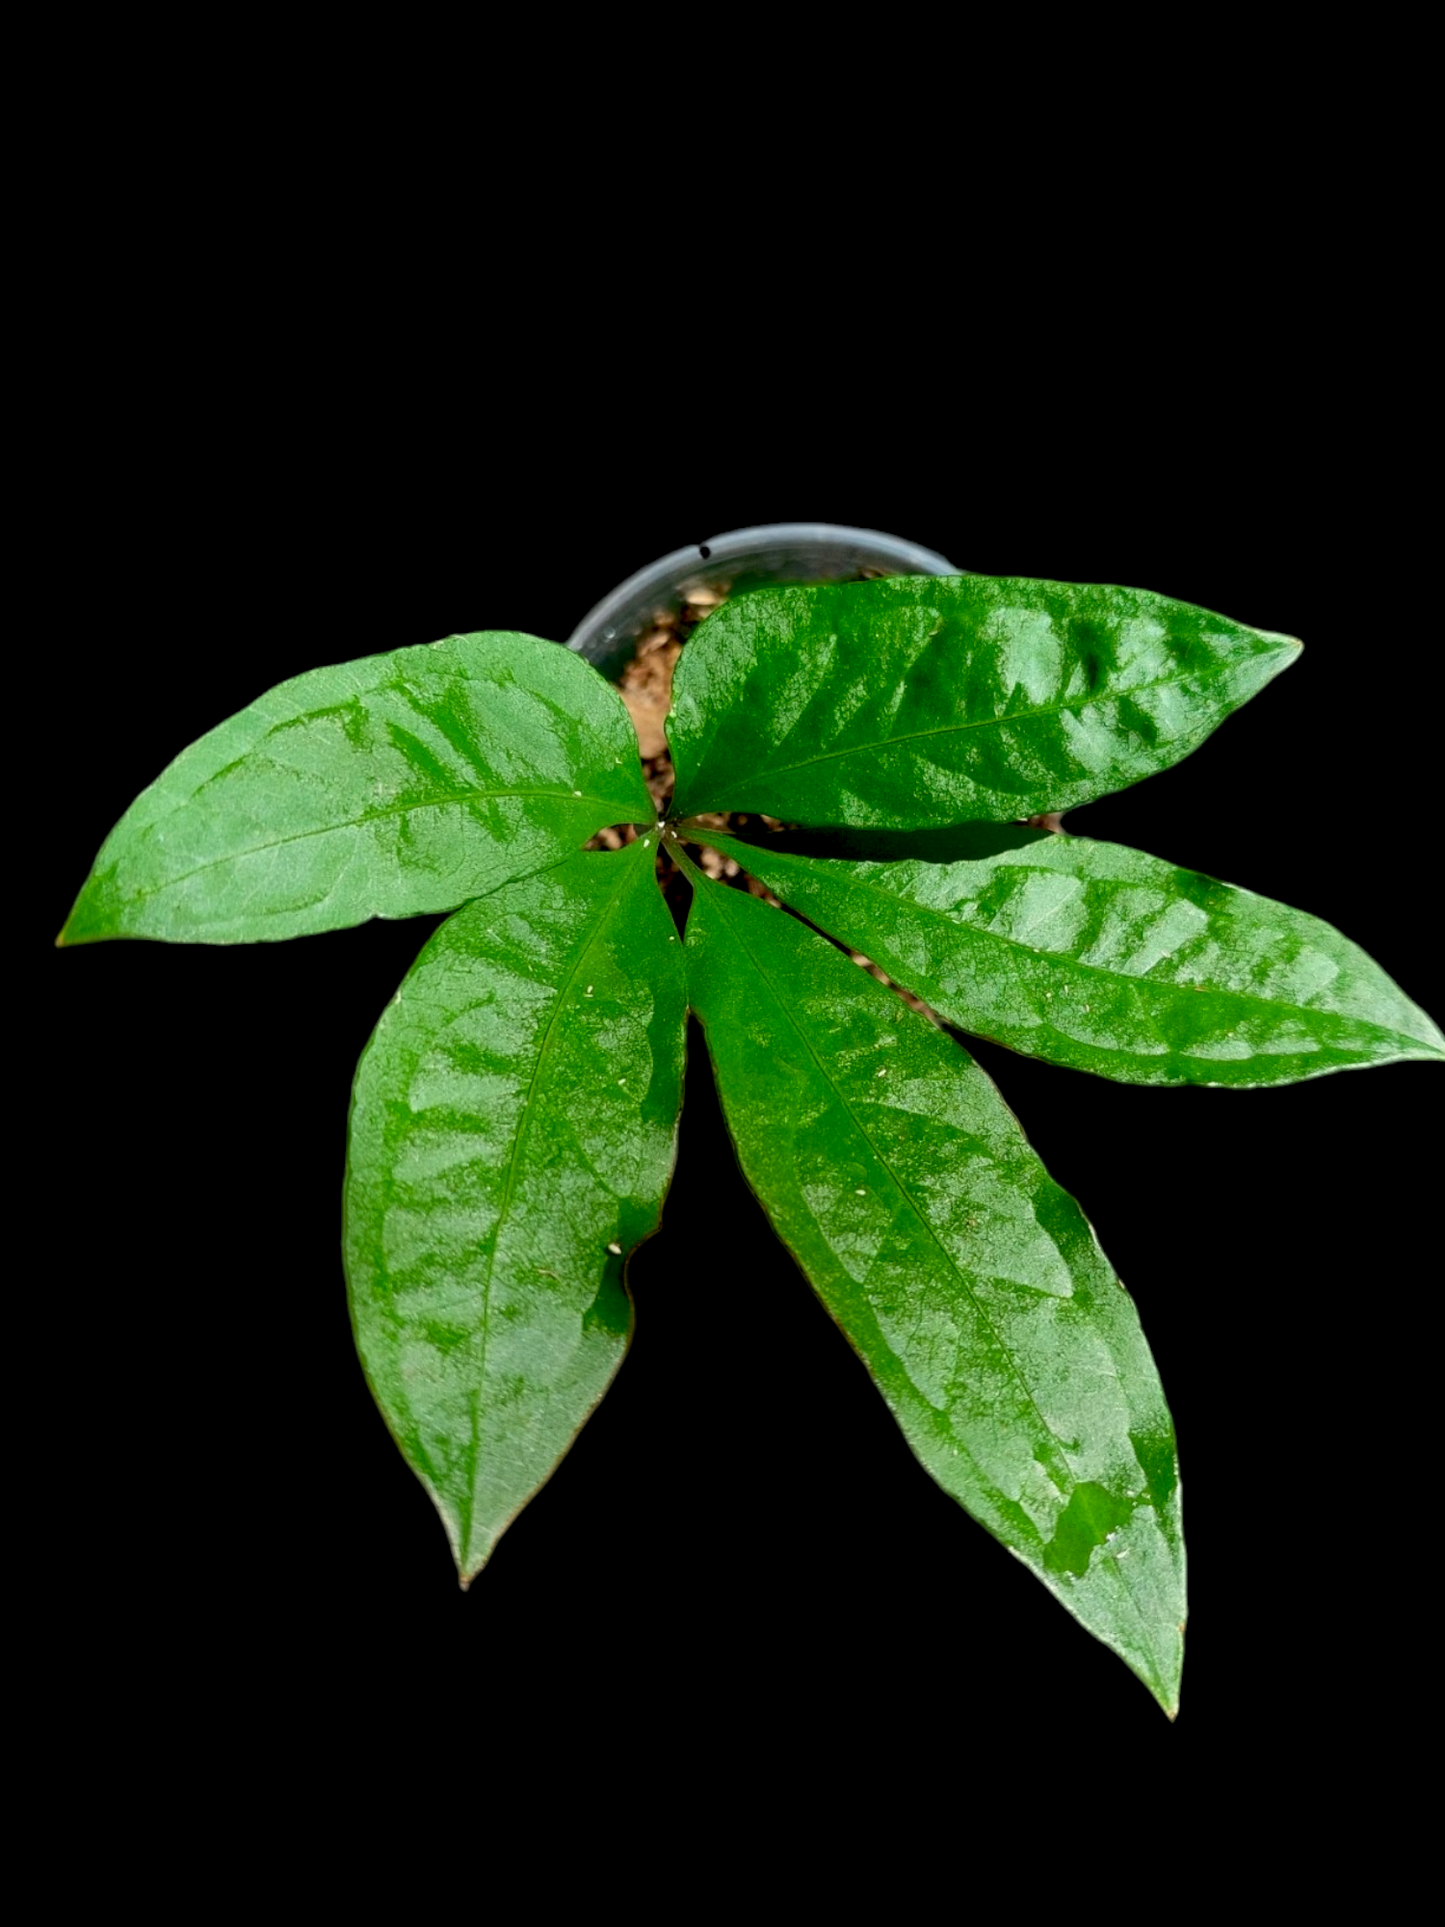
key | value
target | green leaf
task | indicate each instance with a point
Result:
(969, 1283)
(388, 787)
(513, 1131)
(920, 701)
(1106, 960)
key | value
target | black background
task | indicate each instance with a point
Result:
(740, 1544)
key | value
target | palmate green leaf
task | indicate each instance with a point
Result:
(927, 700)
(969, 1283)
(388, 787)
(1101, 958)
(513, 1131)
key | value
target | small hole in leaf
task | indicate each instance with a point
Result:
(703, 550)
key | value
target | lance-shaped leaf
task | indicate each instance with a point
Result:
(387, 787)
(969, 1283)
(513, 1130)
(926, 700)
(1101, 958)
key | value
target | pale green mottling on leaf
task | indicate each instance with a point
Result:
(388, 787)
(515, 1117)
(971, 1286)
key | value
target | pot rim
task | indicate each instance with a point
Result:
(771, 552)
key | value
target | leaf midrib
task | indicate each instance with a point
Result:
(1123, 1580)
(1013, 716)
(907, 1197)
(1116, 976)
(357, 823)
(524, 1124)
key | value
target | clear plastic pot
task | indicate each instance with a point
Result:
(732, 564)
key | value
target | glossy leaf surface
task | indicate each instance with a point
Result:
(970, 1284)
(927, 700)
(513, 1131)
(1106, 960)
(388, 787)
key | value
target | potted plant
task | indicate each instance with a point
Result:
(971, 1284)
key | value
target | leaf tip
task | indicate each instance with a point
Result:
(1290, 647)
(83, 925)
(469, 1567)
(1166, 1690)
(71, 938)
(1166, 1694)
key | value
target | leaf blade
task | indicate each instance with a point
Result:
(969, 1283)
(1100, 958)
(392, 786)
(921, 701)
(513, 1133)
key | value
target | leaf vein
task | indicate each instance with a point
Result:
(917, 1211)
(1014, 716)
